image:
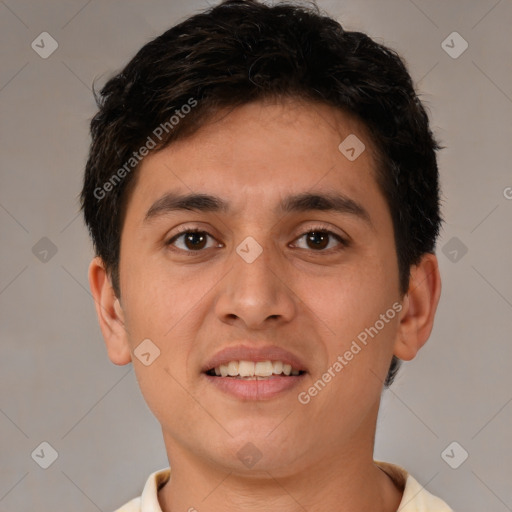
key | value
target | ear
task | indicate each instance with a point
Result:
(419, 308)
(110, 313)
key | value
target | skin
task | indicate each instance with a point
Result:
(312, 302)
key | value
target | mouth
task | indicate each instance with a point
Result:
(248, 380)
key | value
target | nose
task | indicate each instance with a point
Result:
(255, 294)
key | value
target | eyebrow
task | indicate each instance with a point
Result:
(304, 202)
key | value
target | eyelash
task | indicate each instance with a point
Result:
(317, 229)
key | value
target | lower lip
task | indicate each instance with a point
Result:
(264, 389)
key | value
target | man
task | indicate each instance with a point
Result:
(262, 193)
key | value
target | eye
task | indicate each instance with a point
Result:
(319, 238)
(193, 239)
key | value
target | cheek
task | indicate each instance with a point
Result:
(348, 307)
(159, 297)
(351, 298)
(163, 305)
(160, 307)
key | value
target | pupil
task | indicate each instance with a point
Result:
(314, 235)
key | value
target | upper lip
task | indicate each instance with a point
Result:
(248, 353)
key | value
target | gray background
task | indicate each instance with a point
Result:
(57, 383)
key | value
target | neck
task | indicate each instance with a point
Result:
(345, 481)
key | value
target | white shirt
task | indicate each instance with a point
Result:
(415, 497)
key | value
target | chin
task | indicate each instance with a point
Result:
(259, 450)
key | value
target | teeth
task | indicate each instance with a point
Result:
(250, 369)
(263, 368)
(278, 367)
(233, 368)
(246, 369)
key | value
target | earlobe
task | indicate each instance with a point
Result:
(110, 313)
(419, 308)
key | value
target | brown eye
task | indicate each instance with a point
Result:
(191, 240)
(320, 239)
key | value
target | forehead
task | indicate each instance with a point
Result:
(261, 152)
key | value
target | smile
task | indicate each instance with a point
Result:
(253, 370)
(254, 380)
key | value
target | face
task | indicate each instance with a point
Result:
(272, 273)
